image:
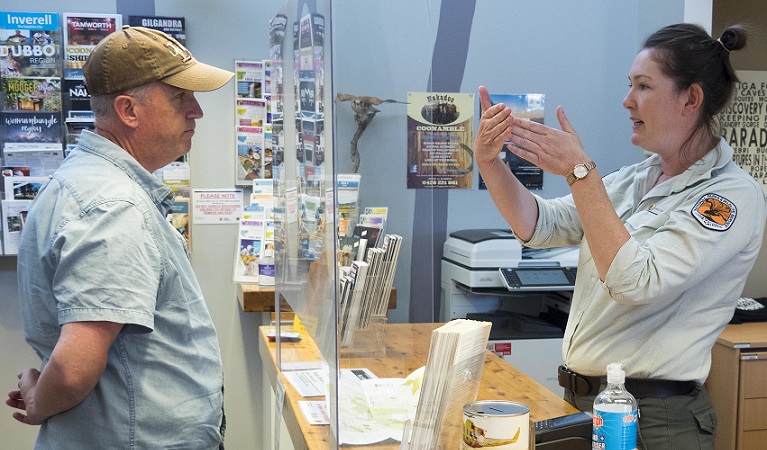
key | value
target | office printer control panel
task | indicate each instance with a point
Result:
(538, 278)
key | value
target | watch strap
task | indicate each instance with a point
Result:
(572, 178)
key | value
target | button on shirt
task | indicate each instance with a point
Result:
(97, 247)
(673, 285)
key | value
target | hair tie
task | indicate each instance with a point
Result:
(722, 44)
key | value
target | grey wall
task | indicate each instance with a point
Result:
(578, 54)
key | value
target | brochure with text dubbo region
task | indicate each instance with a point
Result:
(451, 380)
(30, 44)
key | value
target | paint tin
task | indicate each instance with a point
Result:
(500, 425)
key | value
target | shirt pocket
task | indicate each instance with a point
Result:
(646, 220)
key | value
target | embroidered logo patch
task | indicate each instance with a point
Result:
(714, 212)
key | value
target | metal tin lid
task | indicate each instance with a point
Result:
(496, 408)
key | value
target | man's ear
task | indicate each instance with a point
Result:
(694, 99)
(125, 107)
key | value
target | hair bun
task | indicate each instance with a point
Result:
(733, 38)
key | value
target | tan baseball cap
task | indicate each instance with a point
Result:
(135, 56)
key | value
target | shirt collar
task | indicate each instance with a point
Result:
(713, 160)
(161, 195)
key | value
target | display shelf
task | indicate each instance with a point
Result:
(256, 298)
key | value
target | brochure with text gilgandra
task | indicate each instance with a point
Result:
(172, 26)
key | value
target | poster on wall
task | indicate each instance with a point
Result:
(744, 124)
(524, 106)
(440, 139)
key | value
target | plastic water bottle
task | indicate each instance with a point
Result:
(615, 414)
(266, 268)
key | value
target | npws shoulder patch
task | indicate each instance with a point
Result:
(714, 212)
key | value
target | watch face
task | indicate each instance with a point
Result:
(580, 171)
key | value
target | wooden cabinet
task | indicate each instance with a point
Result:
(738, 386)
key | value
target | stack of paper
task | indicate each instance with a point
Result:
(451, 380)
(352, 289)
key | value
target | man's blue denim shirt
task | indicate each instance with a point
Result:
(97, 246)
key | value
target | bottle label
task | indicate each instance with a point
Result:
(266, 274)
(614, 430)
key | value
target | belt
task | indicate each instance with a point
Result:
(638, 387)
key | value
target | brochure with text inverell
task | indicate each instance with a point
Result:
(30, 44)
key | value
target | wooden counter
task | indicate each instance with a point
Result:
(256, 298)
(407, 346)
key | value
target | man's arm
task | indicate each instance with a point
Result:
(75, 366)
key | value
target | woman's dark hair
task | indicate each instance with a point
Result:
(687, 54)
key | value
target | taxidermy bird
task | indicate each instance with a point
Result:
(364, 108)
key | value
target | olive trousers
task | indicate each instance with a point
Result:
(683, 422)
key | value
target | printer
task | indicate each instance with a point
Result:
(473, 258)
(487, 274)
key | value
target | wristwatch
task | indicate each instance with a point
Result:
(580, 171)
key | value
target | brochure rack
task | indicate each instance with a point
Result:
(306, 274)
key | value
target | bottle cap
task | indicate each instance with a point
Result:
(615, 373)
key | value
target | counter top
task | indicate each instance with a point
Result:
(744, 335)
(407, 347)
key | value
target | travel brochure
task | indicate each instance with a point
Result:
(30, 44)
(380, 410)
(253, 122)
(82, 31)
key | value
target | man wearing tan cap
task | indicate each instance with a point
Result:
(109, 300)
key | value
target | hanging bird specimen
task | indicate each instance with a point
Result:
(364, 108)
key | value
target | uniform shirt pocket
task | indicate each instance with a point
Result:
(646, 220)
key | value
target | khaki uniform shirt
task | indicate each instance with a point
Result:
(674, 284)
